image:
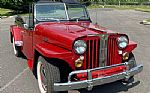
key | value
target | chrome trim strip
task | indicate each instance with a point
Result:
(103, 50)
(18, 43)
(96, 81)
(66, 11)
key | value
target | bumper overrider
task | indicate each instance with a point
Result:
(91, 82)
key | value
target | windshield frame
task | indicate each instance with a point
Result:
(66, 12)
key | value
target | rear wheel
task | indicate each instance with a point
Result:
(47, 75)
(17, 50)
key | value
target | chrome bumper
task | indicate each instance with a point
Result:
(89, 83)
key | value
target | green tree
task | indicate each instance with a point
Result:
(17, 5)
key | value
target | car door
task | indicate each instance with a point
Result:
(27, 43)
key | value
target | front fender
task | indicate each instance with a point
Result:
(132, 45)
(53, 51)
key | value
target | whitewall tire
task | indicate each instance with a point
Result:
(47, 75)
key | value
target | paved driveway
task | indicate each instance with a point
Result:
(15, 77)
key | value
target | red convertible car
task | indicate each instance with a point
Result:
(66, 51)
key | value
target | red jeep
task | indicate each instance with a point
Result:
(66, 51)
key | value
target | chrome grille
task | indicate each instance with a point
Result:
(101, 51)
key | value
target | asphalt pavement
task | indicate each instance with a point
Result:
(15, 76)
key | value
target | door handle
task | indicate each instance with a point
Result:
(23, 32)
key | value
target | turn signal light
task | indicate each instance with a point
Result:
(79, 62)
(125, 56)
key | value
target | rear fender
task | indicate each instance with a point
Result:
(16, 33)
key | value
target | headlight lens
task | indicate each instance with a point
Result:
(80, 46)
(122, 42)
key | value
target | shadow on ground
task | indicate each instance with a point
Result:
(114, 87)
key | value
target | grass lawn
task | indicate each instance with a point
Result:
(144, 9)
(5, 12)
(124, 7)
(8, 12)
(148, 20)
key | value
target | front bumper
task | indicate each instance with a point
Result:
(89, 83)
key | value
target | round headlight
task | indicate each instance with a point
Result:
(122, 42)
(80, 46)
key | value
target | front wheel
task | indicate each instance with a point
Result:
(47, 75)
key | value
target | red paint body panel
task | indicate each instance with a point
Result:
(16, 32)
(30, 64)
(132, 45)
(27, 37)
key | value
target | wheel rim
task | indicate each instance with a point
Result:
(14, 47)
(42, 81)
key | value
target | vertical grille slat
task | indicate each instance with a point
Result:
(108, 63)
(110, 53)
(91, 57)
(96, 52)
(88, 55)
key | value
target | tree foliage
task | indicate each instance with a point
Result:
(20, 5)
(117, 1)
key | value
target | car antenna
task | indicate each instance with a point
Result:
(96, 16)
(96, 23)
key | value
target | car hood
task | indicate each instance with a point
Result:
(64, 33)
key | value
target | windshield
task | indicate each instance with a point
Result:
(60, 11)
(50, 12)
(76, 11)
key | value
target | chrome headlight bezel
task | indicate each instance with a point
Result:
(80, 47)
(122, 42)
